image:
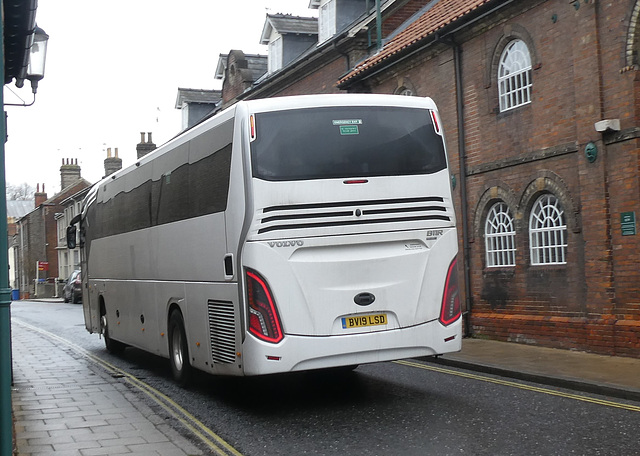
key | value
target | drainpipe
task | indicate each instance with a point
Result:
(462, 159)
(345, 55)
(378, 25)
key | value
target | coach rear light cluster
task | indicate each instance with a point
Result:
(252, 127)
(436, 125)
(451, 308)
(264, 322)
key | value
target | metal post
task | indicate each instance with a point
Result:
(6, 423)
(6, 426)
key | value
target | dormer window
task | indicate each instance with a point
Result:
(275, 54)
(326, 20)
(287, 38)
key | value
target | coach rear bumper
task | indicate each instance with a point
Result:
(299, 353)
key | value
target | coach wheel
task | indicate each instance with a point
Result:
(113, 346)
(178, 350)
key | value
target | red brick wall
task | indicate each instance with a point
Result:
(321, 81)
(392, 22)
(592, 302)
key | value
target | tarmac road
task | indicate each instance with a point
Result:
(409, 407)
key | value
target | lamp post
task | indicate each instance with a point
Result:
(35, 72)
(37, 58)
(35, 67)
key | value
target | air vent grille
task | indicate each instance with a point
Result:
(354, 213)
(222, 331)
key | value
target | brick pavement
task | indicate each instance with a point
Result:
(65, 405)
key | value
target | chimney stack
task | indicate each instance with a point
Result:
(69, 173)
(39, 196)
(145, 146)
(112, 164)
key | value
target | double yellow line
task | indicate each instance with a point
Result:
(220, 447)
(210, 439)
(536, 389)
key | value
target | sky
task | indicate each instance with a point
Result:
(113, 70)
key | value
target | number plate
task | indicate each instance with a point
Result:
(364, 320)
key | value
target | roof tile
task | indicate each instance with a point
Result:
(441, 14)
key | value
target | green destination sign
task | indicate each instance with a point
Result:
(349, 130)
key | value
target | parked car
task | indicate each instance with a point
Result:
(72, 290)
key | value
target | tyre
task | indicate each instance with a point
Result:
(113, 346)
(178, 350)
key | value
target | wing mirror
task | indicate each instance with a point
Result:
(71, 236)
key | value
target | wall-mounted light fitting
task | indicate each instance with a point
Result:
(37, 60)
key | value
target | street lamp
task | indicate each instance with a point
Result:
(35, 67)
(35, 72)
(37, 58)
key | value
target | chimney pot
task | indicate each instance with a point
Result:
(108, 152)
(141, 137)
(149, 137)
(112, 163)
(40, 196)
(69, 173)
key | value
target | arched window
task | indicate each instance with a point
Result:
(500, 237)
(514, 76)
(547, 232)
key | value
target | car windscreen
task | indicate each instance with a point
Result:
(345, 142)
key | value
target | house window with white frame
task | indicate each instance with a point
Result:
(274, 61)
(514, 76)
(500, 237)
(326, 20)
(547, 232)
(62, 230)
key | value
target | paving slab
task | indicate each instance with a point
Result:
(608, 375)
(63, 404)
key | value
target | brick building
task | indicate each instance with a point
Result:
(541, 105)
(38, 232)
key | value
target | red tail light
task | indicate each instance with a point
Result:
(451, 309)
(252, 126)
(436, 125)
(264, 322)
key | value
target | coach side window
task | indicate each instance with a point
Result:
(514, 76)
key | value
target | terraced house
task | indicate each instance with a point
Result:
(541, 105)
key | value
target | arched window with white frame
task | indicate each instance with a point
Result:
(500, 237)
(547, 232)
(514, 76)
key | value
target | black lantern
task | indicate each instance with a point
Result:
(37, 58)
